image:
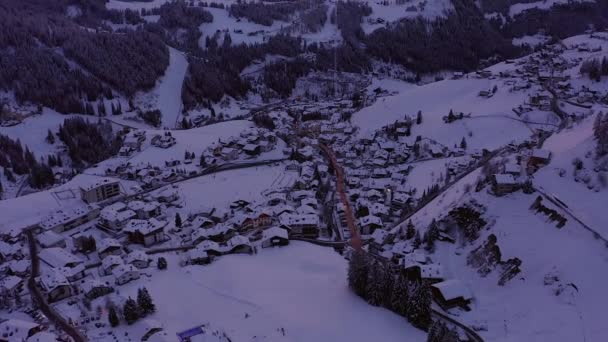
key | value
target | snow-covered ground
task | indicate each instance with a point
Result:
(300, 288)
(491, 125)
(167, 94)
(221, 189)
(411, 9)
(134, 5)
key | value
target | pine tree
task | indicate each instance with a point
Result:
(419, 117)
(437, 332)
(144, 300)
(131, 311)
(161, 263)
(375, 285)
(119, 108)
(463, 143)
(410, 231)
(1, 190)
(50, 137)
(178, 220)
(358, 270)
(203, 162)
(113, 317)
(419, 305)
(417, 240)
(399, 295)
(58, 160)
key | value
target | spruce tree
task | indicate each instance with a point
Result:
(417, 240)
(161, 263)
(144, 300)
(131, 311)
(399, 295)
(375, 285)
(419, 117)
(411, 230)
(113, 317)
(419, 305)
(178, 220)
(358, 269)
(50, 138)
(437, 332)
(463, 143)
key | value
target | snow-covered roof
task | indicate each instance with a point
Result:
(452, 289)
(542, 154)
(91, 284)
(512, 168)
(108, 243)
(9, 282)
(144, 226)
(122, 269)
(505, 179)
(238, 240)
(97, 183)
(379, 235)
(198, 253)
(49, 238)
(136, 255)
(210, 245)
(65, 215)
(274, 232)
(111, 261)
(52, 278)
(58, 257)
(301, 219)
(370, 219)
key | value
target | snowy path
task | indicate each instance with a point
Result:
(169, 89)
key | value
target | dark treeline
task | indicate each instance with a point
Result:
(595, 68)
(314, 19)
(350, 15)
(500, 6)
(215, 72)
(563, 20)
(36, 37)
(266, 14)
(14, 159)
(88, 142)
(459, 41)
(129, 61)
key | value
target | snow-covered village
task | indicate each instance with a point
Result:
(231, 171)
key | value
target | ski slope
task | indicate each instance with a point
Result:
(300, 288)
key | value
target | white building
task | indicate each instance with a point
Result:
(66, 219)
(124, 274)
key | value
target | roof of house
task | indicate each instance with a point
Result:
(49, 238)
(122, 269)
(370, 219)
(52, 278)
(452, 289)
(144, 227)
(238, 240)
(198, 253)
(108, 243)
(504, 179)
(273, 232)
(97, 183)
(136, 255)
(298, 219)
(9, 282)
(542, 154)
(58, 257)
(43, 336)
(65, 215)
(110, 261)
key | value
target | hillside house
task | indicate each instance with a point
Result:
(108, 246)
(108, 264)
(538, 159)
(124, 274)
(55, 285)
(368, 224)
(239, 244)
(503, 184)
(138, 258)
(58, 257)
(275, 236)
(145, 210)
(73, 274)
(145, 232)
(11, 284)
(100, 190)
(114, 217)
(212, 248)
(300, 225)
(94, 289)
(198, 256)
(451, 293)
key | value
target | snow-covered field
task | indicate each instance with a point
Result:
(542, 5)
(491, 124)
(300, 288)
(221, 189)
(134, 5)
